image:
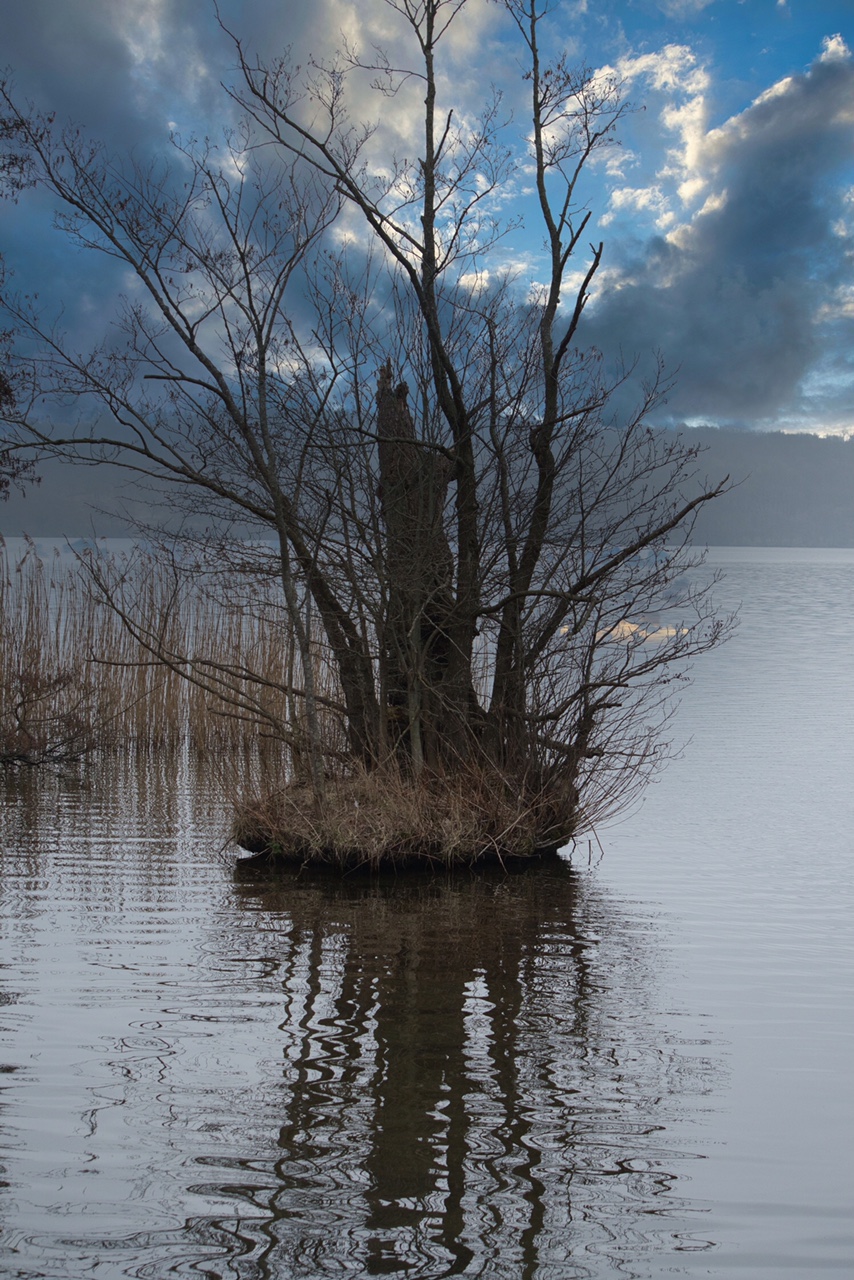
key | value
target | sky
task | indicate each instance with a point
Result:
(727, 212)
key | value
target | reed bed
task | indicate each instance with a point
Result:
(78, 675)
(139, 652)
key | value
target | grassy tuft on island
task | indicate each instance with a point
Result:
(381, 818)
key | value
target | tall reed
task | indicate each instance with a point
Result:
(74, 676)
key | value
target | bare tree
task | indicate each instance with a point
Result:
(16, 471)
(14, 177)
(494, 565)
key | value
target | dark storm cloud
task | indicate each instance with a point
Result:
(122, 82)
(77, 60)
(748, 300)
(129, 75)
(128, 71)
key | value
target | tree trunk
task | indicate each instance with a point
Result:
(419, 568)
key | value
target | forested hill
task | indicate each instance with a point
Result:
(795, 490)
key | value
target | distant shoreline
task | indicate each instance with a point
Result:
(790, 491)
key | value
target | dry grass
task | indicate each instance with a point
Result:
(74, 678)
(384, 819)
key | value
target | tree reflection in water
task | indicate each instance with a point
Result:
(476, 1082)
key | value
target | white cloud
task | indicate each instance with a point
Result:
(639, 200)
(691, 188)
(475, 281)
(838, 306)
(616, 161)
(679, 84)
(683, 8)
(834, 48)
(689, 122)
(672, 68)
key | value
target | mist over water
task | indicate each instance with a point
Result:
(633, 1064)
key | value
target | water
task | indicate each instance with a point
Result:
(635, 1064)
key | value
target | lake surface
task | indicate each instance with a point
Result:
(634, 1062)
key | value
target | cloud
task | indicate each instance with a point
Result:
(732, 251)
(640, 200)
(683, 8)
(119, 68)
(675, 82)
(674, 67)
(751, 295)
(834, 49)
